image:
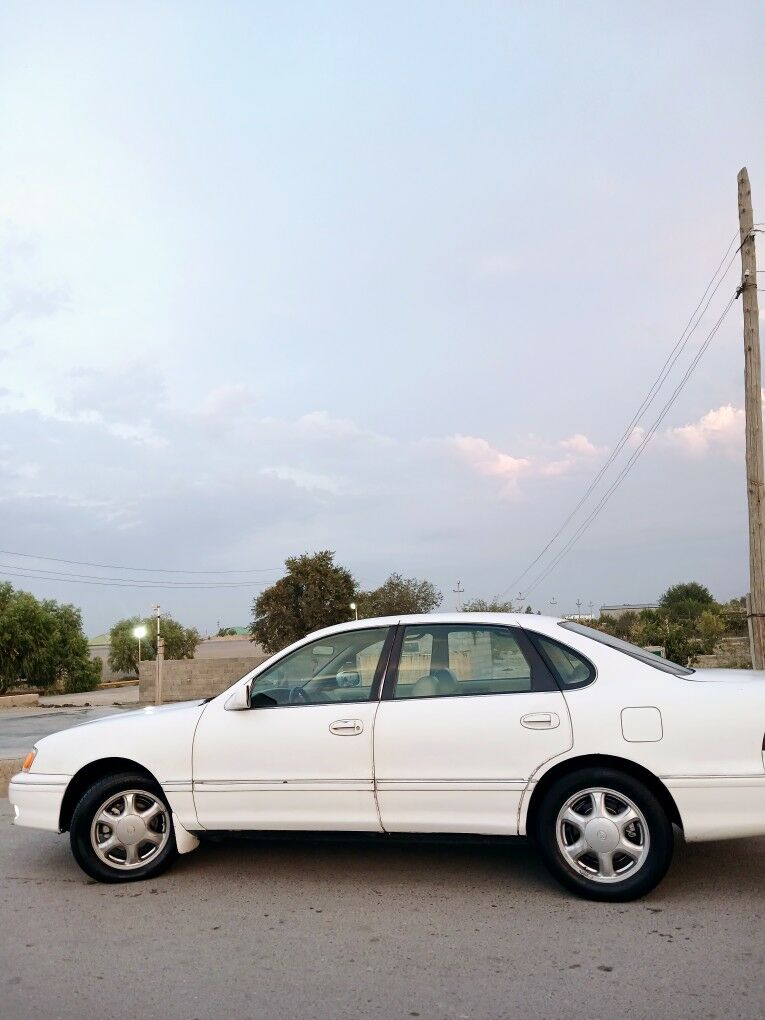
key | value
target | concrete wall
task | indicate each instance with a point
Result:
(188, 679)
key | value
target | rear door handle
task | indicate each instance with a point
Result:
(346, 727)
(540, 721)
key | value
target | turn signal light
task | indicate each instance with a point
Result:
(28, 760)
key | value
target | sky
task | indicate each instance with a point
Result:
(386, 279)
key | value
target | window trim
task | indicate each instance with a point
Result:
(542, 680)
(537, 639)
(377, 679)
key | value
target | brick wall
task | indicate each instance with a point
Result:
(189, 679)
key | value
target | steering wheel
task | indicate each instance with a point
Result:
(298, 696)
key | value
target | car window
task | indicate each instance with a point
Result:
(453, 661)
(571, 668)
(634, 651)
(338, 668)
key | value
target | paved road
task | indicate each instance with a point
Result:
(332, 930)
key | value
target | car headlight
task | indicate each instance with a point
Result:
(28, 760)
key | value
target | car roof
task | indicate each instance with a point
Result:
(508, 619)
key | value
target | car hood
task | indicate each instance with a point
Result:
(730, 676)
(137, 715)
(156, 738)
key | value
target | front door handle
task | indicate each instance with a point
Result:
(540, 721)
(346, 727)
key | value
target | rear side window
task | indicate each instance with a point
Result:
(458, 660)
(634, 651)
(571, 668)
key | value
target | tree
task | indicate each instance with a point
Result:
(686, 601)
(399, 596)
(495, 605)
(180, 642)
(315, 592)
(43, 643)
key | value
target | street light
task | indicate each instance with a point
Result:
(354, 607)
(139, 632)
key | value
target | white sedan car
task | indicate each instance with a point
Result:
(488, 724)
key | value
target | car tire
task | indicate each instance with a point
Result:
(604, 835)
(122, 829)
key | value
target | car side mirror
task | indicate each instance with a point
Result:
(350, 679)
(239, 700)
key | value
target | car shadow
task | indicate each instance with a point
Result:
(705, 871)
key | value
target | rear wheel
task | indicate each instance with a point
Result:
(604, 835)
(122, 829)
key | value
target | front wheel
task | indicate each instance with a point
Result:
(604, 835)
(122, 829)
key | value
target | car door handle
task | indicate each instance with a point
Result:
(346, 727)
(540, 721)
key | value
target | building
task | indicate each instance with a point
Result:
(620, 610)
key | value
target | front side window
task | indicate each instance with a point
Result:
(450, 661)
(336, 669)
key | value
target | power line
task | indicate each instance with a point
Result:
(142, 570)
(653, 392)
(29, 573)
(635, 456)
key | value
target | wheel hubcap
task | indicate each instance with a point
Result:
(130, 829)
(602, 835)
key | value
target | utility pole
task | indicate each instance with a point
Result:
(578, 609)
(160, 656)
(755, 472)
(459, 590)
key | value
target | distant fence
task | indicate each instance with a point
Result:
(189, 679)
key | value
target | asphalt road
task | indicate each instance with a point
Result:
(338, 930)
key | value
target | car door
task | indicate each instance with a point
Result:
(469, 712)
(300, 757)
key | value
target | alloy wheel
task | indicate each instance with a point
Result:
(602, 835)
(130, 829)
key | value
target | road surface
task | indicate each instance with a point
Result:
(278, 930)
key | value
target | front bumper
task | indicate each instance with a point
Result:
(36, 800)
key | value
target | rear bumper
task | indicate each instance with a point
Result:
(719, 807)
(36, 800)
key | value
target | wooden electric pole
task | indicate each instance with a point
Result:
(755, 471)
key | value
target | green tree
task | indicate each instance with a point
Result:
(686, 601)
(43, 644)
(399, 596)
(315, 592)
(180, 642)
(710, 627)
(495, 605)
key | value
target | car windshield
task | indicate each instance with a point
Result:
(649, 658)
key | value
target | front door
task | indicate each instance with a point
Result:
(301, 756)
(466, 718)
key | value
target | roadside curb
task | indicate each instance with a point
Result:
(8, 767)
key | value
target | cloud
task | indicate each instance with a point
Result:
(719, 430)
(486, 460)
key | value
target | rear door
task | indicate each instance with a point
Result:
(469, 712)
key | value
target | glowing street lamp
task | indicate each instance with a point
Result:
(354, 607)
(139, 632)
